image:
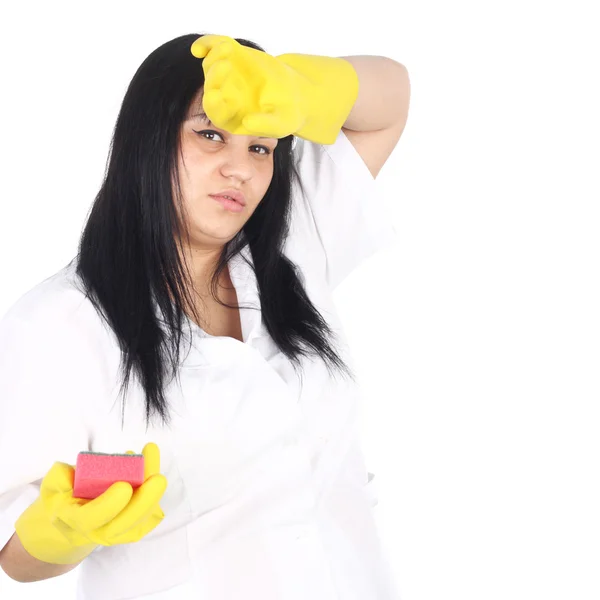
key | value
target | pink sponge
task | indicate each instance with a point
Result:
(95, 472)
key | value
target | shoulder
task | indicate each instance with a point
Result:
(55, 305)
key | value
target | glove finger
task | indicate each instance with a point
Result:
(222, 50)
(235, 101)
(142, 503)
(219, 52)
(140, 530)
(97, 512)
(270, 125)
(59, 479)
(219, 108)
(203, 45)
(57, 487)
(151, 455)
(217, 74)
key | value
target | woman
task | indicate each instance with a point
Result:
(208, 206)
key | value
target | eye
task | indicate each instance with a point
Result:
(210, 132)
(266, 152)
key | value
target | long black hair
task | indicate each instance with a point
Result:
(128, 259)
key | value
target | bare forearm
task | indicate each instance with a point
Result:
(383, 93)
(19, 565)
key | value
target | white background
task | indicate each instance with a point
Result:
(477, 336)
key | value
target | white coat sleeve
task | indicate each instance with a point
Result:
(46, 378)
(341, 209)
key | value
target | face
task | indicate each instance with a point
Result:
(212, 160)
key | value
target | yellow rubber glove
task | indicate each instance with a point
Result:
(63, 530)
(249, 92)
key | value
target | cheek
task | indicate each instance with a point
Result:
(266, 179)
(192, 175)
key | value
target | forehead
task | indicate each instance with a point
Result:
(196, 103)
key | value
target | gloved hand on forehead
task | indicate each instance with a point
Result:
(249, 92)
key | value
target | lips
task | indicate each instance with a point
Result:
(233, 195)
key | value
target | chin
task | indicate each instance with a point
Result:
(205, 235)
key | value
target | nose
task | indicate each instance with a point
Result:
(237, 162)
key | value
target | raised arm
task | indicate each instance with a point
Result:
(380, 112)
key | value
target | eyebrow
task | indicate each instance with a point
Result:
(204, 117)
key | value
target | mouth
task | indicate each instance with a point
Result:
(228, 203)
(231, 194)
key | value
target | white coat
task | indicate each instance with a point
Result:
(268, 496)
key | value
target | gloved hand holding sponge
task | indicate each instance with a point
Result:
(249, 92)
(63, 529)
